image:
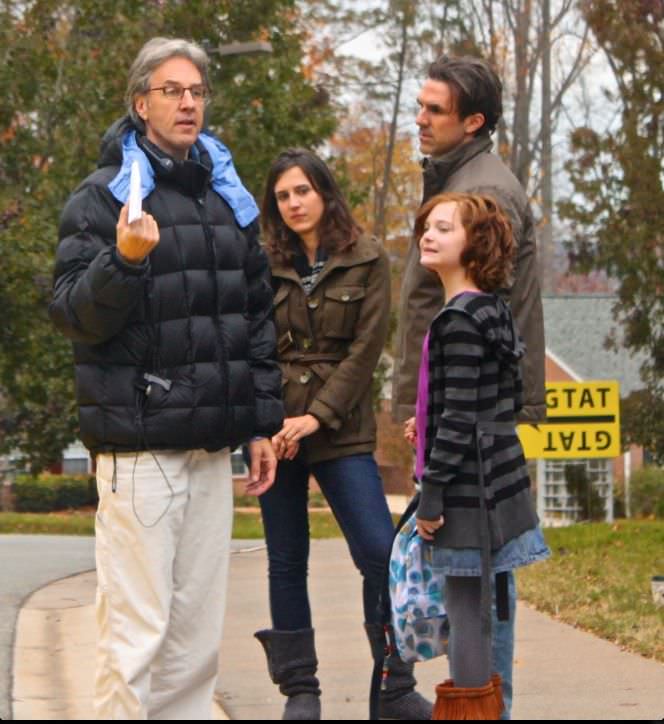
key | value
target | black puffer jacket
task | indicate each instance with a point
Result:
(196, 315)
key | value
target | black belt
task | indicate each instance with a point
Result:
(502, 603)
(310, 358)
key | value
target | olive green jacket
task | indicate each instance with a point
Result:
(329, 344)
(472, 168)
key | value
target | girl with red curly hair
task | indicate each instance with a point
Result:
(475, 506)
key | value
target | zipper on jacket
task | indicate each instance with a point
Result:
(223, 354)
(114, 479)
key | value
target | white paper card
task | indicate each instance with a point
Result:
(135, 203)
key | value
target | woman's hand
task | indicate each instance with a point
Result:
(427, 528)
(410, 431)
(290, 451)
(286, 442)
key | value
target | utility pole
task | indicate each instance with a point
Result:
(547, 255)
(381, 220)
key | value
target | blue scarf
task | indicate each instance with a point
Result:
(225, 180)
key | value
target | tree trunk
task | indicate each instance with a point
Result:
(381, 221)
(547, 249)
(521, 151)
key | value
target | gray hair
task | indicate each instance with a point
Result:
(151, 56)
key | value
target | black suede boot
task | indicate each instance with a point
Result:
(292, 663)
(398, 698)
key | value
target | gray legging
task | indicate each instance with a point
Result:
(469, 648)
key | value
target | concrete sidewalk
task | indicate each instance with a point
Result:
(561, 673)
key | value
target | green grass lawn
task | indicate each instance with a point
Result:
(321, 524)
(246, 525)
(316, 501)
(74, 522)
(598, 579)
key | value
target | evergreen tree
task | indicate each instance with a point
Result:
(618, 204)
(63, 68)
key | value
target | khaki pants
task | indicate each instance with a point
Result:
(163, 532)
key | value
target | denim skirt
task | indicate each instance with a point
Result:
(529, 547)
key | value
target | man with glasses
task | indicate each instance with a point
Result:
(174, 350)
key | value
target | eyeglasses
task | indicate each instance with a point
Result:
(175, 92)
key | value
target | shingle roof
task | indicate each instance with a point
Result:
(576, 328)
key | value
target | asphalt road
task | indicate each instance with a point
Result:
(28, 562)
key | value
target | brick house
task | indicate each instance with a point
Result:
(577, 328)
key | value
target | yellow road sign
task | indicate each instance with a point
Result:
(583, 421)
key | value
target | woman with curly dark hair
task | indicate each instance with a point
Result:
(331, 309)
(475, 505)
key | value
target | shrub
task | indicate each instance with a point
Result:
(53, 492)
(71, 494)
(647, 492)
(33, 497)
(581, 487)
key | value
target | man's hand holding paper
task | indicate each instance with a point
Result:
(136, 240)
(137, 232)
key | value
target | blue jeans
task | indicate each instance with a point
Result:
(502, 646)
(354, 490)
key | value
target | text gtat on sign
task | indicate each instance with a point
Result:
(583, 421)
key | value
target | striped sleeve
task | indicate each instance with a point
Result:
(518, 391)
(456, 391)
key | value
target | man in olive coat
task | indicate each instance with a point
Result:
(460, 106)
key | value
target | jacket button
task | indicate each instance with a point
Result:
(345, 297)
(313, 304)
(305, 377)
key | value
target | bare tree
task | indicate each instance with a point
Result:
(547, 249)
(406, 12)
(410, 34)
(521, 38)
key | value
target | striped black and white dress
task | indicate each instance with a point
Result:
(473, 380)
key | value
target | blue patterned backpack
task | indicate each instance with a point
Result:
(419, 620)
